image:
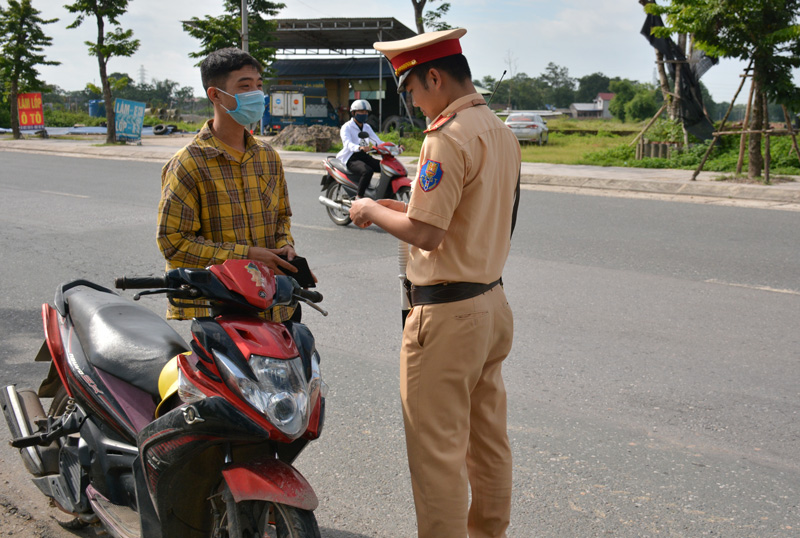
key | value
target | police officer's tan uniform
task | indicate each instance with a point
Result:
(454, 400)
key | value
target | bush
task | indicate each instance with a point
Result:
(641, 107)
(5, 113)
(619, 156)
(411, 142)
(296, 147)
(664, 130)
(723, 157)
(63, 118)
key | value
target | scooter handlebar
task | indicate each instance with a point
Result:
(313, 296)
(140, 282)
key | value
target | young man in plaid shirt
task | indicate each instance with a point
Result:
(224, 195)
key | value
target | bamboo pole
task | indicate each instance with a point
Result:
(774, 132)
(722, 124)
(646, 127)
(791, 130)
(767, 155)
(745, 125)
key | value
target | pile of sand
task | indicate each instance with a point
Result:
(319, 137)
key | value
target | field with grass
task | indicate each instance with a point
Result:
(571, 148)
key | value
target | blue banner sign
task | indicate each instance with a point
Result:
(128, 119)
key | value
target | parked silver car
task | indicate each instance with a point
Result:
(528, 127)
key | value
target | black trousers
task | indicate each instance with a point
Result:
(363, 165)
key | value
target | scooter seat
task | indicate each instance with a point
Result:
(339, 165)
(123, 338)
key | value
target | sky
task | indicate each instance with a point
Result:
(521, 36)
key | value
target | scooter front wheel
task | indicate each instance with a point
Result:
(260, 518)
(337, 193)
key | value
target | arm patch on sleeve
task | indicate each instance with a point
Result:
(430, 174)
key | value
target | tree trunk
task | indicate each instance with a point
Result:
(13, 94)
(755, 159)
(676, 104)
(664, 82)
(111, 133)
(745, 123)
(419, 7)
(111, 129)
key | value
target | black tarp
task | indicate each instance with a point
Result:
(691, 112)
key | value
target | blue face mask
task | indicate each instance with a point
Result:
(361, 118)
(249, 107)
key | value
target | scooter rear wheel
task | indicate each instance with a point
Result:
(337, 193)
(260, 518)
(404, 194)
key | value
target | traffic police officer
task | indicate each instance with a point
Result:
(460, 327)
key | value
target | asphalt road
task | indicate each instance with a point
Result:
(653, 385)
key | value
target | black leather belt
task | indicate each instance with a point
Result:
(446, 293)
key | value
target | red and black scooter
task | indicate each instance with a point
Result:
(341, 185)
(210, 455)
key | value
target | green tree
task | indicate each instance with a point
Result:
(590, 85)
(560, 86)
(22, 41)
(624, 91)
(5, 109)
(529, 93)
(224, 31)
(118, 42)
(642, 106)
(433, 20)
(765, 32)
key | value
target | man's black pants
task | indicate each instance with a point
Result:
(363, 165)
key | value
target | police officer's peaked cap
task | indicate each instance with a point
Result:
(407, 53)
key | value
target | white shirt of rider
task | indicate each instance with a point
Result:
(350, 140)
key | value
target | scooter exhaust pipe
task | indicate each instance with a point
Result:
(20, 410)
(327, 202)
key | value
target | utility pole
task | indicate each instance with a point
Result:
(245, 44)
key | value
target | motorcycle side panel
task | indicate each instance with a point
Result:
(399, 183)
(90, 390)
(270, 480)
(52, 335)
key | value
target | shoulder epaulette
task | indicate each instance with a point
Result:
(438, 124)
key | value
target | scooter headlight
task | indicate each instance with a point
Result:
(280, 390)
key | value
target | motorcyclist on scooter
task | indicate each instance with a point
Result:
(354, 153)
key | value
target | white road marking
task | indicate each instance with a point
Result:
(312, 227)
(65, 194)
(748, 286)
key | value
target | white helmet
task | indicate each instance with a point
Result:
(360, 104)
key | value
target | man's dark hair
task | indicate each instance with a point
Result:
(455, 65)
(215, 68)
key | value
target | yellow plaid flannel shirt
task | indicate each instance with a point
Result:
(214, 207)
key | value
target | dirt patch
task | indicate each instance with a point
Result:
(319, 137)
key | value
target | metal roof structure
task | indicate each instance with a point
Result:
(331, 68)
(336, 36)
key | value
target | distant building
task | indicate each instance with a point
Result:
(596, 109)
